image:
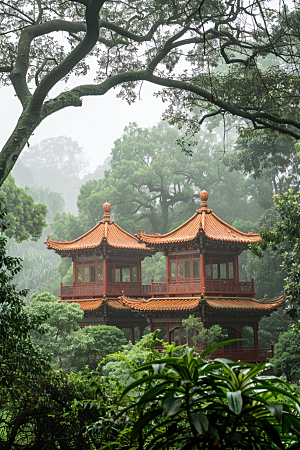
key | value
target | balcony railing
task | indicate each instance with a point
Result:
(245, 354)
(217, 287)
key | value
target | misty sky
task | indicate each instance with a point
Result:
(95, 125)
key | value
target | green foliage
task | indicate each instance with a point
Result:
(152, 184)
(25, 217)
(286, 359)
(54, 200)
(204, 337)
(18, 353)
(61, 324)
(92, 344)
(284, 240)
(189, 402)
(55, 411)
(65, 226)
(154, 268)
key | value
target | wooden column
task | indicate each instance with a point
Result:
(168, 334)
(171, 336)
(132, 336)
(140, 272)
(105, 277)
(179, 336)
(151, 325)
(202, 272)
(167, 272)
(236, 272)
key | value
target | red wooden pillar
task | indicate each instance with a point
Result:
(187, 336)
(168, 334)
(202, 272)
(151, 325)
(105, 277)
(140, 272)
(167, 272)
(171, 336)
(236, 272)
(179, 336)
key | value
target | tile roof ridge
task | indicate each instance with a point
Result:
(232, 228)
(74, 240)
(140, 232)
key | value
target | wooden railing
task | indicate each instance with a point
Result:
(218, 287)
(245, 354)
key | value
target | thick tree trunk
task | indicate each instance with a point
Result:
(26, 125)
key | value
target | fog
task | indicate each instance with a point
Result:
(95, 125)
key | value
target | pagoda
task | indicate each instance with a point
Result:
(202, 278)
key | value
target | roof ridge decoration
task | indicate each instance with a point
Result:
(204, 222)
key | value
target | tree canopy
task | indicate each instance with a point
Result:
(26, 218)
(221, 57)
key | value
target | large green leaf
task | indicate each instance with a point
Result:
(144, 420)
(235, 401)
(275, 410)
(199, 421)
(172, 405)
(142, 381)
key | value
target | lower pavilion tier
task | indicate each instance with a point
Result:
(167, 313)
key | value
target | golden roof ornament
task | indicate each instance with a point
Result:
(106, 209)
(203, 196)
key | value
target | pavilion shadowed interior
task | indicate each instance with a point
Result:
(202, 278)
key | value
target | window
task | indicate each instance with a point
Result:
(85, 274)
(215, 271)
(92, 274)
(79, 274)
(173, 271)
(230, 270)
(187, 269)
(223, 275)
(100, 274)
(110, 273)
(134, 274)
(196, 268)
(208, 271)
(117, 275)
(126, 274)
(180, 269)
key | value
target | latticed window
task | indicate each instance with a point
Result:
(208, 271)
(117, 275)
(110, 273)
(85, 274)
(230, 270)
(215, 271)
(196, 268)
(134, 274)
(223, 271)
(100, 274)
(92, 274)
(187, 269)
(79, 274)
(126, 274)
(180, 269)
(173, 271)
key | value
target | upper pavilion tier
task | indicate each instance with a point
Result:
(203, 223)
(105, 233)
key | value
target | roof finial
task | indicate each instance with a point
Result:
(106, 209)
(204, 197)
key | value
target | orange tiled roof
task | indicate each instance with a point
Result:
(244, 303)
(105, 231)
(204, 221)
(88, 304)
(189, 303)
(162, 304)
